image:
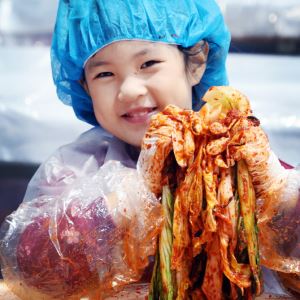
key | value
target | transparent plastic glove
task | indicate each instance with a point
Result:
(90, 241)
(278, 201)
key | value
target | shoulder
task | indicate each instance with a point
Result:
(86, 154)
(93, 143)
(83, 156)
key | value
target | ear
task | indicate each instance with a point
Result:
(197, 61)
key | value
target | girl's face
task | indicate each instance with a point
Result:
(129, 81)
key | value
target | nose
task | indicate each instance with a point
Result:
(131, 89)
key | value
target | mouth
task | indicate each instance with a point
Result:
(140, 115)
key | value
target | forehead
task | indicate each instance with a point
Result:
(129, 49)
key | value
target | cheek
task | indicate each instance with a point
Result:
(98, 109)
(173, 90)
(103, 102)
(104, 116)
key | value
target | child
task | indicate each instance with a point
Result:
(119, 62)
(121, 95)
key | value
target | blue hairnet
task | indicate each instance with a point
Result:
(85, 26)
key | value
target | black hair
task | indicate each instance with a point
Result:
(193, 51)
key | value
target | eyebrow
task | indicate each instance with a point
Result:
(97, 63)
(142, 52)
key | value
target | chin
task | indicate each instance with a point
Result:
(135, 139)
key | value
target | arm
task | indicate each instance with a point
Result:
(81, 233)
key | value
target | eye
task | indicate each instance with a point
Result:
(104, 74)
(149, 63)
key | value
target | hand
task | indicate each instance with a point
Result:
(59, 255)
(278, 201)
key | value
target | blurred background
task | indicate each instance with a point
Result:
(264, 63)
